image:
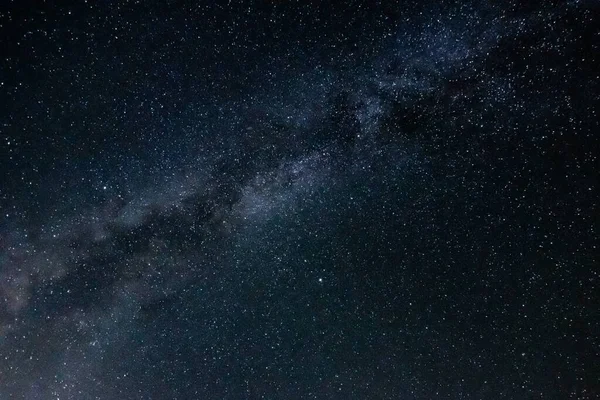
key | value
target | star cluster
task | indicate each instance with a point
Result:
(299, 200)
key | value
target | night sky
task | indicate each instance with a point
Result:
(299, 199)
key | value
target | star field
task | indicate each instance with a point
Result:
(299, 200)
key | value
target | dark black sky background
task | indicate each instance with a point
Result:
(299, 200)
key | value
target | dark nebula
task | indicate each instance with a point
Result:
(299, 200)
